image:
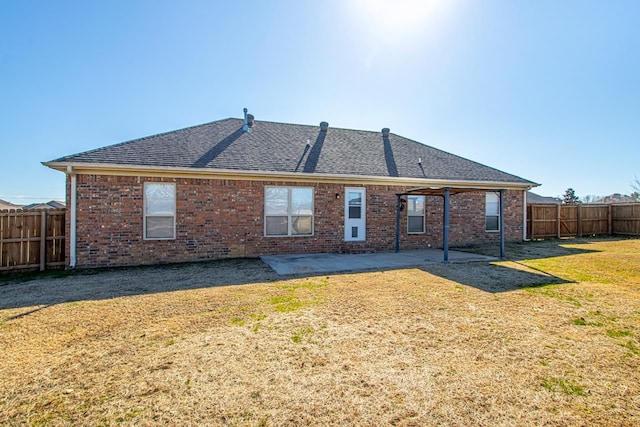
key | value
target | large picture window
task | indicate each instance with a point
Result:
(288, 211)
(159, 210)
(492, 212)
(415, 214)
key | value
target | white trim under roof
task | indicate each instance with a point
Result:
(182, 172)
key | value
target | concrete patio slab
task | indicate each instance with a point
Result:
(332, 262)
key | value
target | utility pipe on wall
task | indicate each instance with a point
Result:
(445, 222)
(524, 216)
(501, 224)
(72, 217)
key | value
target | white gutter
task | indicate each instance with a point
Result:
(186, 172)
(72, 217)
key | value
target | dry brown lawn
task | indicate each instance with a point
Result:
(551, 337)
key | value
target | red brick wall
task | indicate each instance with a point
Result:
(225, 218)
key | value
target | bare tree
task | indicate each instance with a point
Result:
(635, 184)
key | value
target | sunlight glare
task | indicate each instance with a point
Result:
(396, 14)
(397, 25)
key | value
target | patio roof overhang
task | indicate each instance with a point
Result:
(446, 193)
(439, 191)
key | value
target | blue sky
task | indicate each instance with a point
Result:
(547, 90)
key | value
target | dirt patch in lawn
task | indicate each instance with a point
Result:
(540, 340)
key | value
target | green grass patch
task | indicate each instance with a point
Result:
(297, 296)
(581, 321)
(551, 291)
(300, 334)
(309, 285)
(257, 318)
(130, 415)
(615, 333)
(285, 303)
(237, 321)
(632, 347)
(568, 387)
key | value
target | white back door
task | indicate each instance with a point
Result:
(355, 214)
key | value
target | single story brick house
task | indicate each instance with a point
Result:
(246, 188)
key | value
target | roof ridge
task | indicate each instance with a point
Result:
(315, 126)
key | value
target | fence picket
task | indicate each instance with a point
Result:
(578, 220)
(32, 239)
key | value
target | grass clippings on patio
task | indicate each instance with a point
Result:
(552, 337)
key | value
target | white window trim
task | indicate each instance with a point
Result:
(424, 215)
(289, 215)
(144, 211)
(497, 230)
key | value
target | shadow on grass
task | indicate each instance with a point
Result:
(37, 291)
(502, 278)
(492, 277)
(537, 249)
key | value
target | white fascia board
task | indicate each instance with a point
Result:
(182, 172)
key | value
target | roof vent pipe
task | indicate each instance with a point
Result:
(385, 132)
(250, 120)
(324, 126)
(245, 127)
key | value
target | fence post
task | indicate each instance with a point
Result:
(559, 231)
(610, 219)
(43, 240)
(579, 215)
(530, 221)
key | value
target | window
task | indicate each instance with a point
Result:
(288, 211)
(159, 210)
(492, 212)
(415, 214)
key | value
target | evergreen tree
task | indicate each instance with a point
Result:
(569, 197)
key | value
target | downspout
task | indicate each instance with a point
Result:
(501, 224)
(524, 215)
(72, 217)
(398, 210)
(445, 226)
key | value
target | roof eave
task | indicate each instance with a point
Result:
(182, 172)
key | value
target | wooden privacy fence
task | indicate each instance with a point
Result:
(582, 220)
(32, 239)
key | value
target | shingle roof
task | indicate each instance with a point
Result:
(8, 205)
(282, 147)
(51, 204)
(536, 199)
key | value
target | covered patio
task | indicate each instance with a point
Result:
(446, 193)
